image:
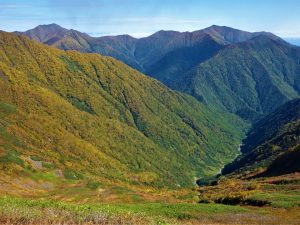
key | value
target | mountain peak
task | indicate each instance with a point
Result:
(222, 28)
(45, 32)
(214, 26)
(165, 33)
(52, 26)
(227, 35)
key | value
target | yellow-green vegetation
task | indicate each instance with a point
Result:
(74, 116)
(277, 192)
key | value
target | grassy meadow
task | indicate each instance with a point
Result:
(81, 202)
(26, 211)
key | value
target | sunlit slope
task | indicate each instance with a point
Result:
(92, 116)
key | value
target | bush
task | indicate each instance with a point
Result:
(253, 186)
(93, 185)
(242, 200)
(72, 175)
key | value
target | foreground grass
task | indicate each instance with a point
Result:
(281, 200)
(26, 211)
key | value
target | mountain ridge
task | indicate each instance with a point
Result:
(166, 37)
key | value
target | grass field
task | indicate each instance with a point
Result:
(27, 211)
(81, 202)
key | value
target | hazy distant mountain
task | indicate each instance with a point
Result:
(272, 144)
(57, 36)
(139, 53)
(46, 33)
(228, 35)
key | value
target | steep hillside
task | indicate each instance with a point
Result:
(84, 115)
(272, 145)
(251, 78)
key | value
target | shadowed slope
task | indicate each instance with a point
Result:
(272, 143)
(251, 78)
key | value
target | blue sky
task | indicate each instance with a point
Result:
(144, 17)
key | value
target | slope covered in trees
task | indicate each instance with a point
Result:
(85, 115)
(251, 78)
(272, 145)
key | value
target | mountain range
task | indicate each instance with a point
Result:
(249, 74)
(138, 53)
